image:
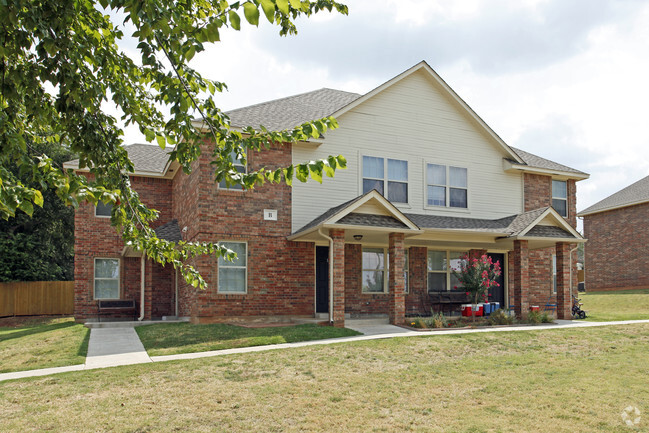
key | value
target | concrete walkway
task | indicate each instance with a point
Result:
(110, 347)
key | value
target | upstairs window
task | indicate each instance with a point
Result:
(560, 197)
(239, 167)
(447, 186)
(103, 210)
(395, 183)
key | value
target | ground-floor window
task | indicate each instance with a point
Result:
(440, 264)
(233, 274)
(106, 279)
(374, 270)
(406, 268)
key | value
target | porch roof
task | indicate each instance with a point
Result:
(542, 227)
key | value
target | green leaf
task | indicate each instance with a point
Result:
(342, 162)
(297, 4)
(251, 13)
(27, 207)
(149, 135)
(282, 5)
(161, 141)
(269, 10)
(38, 198)
(235, 21)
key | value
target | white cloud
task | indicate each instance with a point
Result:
(564, 80)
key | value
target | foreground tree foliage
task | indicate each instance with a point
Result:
(39, 247)
(61, 65)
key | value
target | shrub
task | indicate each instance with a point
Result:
(533, 317)
(546, 318)
(417, 322)
(437, 320)
(500, 317)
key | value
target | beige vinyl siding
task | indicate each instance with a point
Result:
(411, 120)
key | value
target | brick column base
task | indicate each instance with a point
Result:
(521, 278)
(338, 277)
(397, 308)
(564, 302)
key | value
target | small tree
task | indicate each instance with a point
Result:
(477, 276)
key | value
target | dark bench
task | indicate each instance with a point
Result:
(113, 306)
(449, 300)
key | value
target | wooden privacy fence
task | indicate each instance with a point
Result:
(33, 298)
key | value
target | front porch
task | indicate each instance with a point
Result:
(373, 259)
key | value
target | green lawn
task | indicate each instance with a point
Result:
(41, 342)
(622, 305)
(173, 338)
(577, 380)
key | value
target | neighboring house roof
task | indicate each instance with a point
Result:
(633, 194)
(286, 113)
(169, 231)
(146, 158)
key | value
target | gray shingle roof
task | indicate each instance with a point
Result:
(362, 219)
(538, 162)
(548, 232)
(169, 231)
(291, 111)
(145, 157)
(635, 193)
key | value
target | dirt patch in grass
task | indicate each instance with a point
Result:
(533, 381)
(173, 338)
(28, 343)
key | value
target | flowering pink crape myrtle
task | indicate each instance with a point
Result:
(477, 276)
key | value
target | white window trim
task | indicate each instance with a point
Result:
(554, 274)
(234, 267)
(448, 206)
(385, 177)
(406, 270)
(386, 270)
(100, 216)
(448, 272)
(560, 198)
(119, 277)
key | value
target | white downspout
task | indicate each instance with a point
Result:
(176, 283)
(331, 276)
(571, 251)
(142, 260)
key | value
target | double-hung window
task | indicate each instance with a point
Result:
(447, 186)
(233, 274)
(406, 269)
(106, 278)
(560, 197)
(394, 186)
(440, 267)
(374, 270)
(239, 167)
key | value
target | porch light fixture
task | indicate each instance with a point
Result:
(358, 237)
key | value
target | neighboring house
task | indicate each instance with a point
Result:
(427, 181)
(616, 229)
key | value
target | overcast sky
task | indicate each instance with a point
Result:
(567, 80)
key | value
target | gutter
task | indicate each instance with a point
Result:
(331, 271)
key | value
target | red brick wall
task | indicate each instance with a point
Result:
(96, 238)
(281, 273)
(416, 298)
(357, 302)
(614, 251)
(538, 193)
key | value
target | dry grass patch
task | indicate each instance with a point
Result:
(532, 381)
(41, 342)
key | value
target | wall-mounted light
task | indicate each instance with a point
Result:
(358, 237)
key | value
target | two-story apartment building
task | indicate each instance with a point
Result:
(427, 181)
